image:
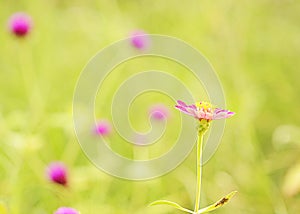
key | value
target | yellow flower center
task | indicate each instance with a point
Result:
(206, 110)
(205, 106)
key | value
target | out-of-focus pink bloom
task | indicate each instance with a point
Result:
(103, 127)
(139, 39)
(20, 24)
(159, 112)
(66, 210)
(203, 110)
(57, 173)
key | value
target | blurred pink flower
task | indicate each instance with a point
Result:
(103, 127)
(159, 112)
(66, 210)
(139, 39)
(203, 110)
(20, 24)
(57, 173)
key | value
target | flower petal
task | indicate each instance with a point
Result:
(181, 108)
(194, 112)
(184, 110)
(222, 114)
(193, 107)
(181, 103)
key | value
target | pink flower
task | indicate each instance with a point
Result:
(203, 110)
(20, 24)
(57, 173)
(103, 127)
(159, 112)
(66, 210)
(139, 39)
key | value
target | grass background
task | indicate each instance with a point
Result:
(253, 45)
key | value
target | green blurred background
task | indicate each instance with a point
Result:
(254, 47)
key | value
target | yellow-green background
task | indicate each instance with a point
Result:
(253, 45)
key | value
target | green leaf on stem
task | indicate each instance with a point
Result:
(218, 204)
(172, 204)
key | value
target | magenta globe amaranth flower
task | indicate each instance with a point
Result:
(103, 127)
(139, 39)
(203, 111)
(159, 112)
(66, 210)
(57, 173)
(20, 24)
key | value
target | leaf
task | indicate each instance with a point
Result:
(218, 204)
(172, 204)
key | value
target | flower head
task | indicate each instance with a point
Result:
(203, 111)
(66, 210)
(20, 24)
(103, 127)
(139, 39)
(159, 112)
(57, 173)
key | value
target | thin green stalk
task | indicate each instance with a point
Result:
(199, 170)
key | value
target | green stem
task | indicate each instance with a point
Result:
(199, 170)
